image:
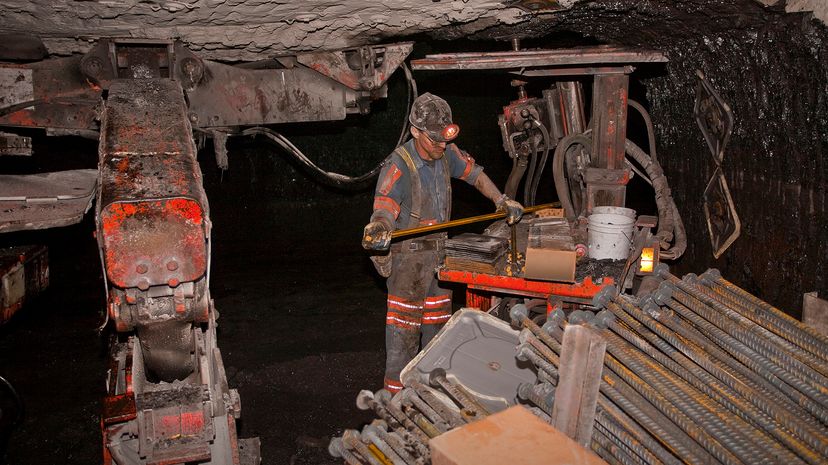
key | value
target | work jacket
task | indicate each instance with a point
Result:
(412, 191)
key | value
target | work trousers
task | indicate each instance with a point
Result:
(417, 309)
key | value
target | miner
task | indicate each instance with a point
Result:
(414, 189)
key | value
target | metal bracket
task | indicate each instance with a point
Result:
(722, 220)
(363, 68)
(715, 119)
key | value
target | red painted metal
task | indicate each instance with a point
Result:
(118, 408)
(477, 282)
(153, 243)
(479, 300)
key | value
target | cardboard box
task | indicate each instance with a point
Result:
(514, 437)
(550, 251)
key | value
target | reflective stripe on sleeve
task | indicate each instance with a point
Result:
(391, 178)
(388, 204)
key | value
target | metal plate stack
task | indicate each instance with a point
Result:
(475, 252)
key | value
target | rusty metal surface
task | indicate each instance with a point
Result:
(152, 206)
(47, 200)
(24, 273)
(12, 144)
(723, 223)
(715, 120)
(714, 117)
(364, 68)
(231, 96)
(815, 312)
(577, 57)
(65, 94)
(609, 122)
(575, 71)
(48, 94)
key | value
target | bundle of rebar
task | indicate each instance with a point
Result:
(406, 421)
(698, 372)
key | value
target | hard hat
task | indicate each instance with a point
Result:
(432, 115)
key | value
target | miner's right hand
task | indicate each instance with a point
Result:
(377, 236)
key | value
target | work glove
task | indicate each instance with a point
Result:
(376, 236)
(512, 208)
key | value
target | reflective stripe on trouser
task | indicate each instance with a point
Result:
(417, 310)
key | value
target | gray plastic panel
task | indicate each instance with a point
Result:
(477, 350)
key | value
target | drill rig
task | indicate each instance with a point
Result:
(168, 398)
(589, 152)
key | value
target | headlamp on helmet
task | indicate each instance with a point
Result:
(432, 115)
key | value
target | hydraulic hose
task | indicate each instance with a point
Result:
(542, 162)
(647, 122)
(337, 179)
(559, 175)
(527, 187)
(17, 400)
(662, 190)
(518, 169)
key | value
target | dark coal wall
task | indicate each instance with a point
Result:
(775, 78)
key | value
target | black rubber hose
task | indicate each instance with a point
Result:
(337, 179)
(42, 101)
(680, 236)
(530, 175)
(558, 171)
(542, 163)
(647, 122)
(518, 169)
(17, 400)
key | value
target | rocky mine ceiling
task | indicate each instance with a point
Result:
(245, 30)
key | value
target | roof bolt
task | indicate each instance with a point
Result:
(172, 265)
(141, 269)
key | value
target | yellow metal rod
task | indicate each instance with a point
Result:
(469, 220)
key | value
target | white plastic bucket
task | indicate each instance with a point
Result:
(610, 232)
